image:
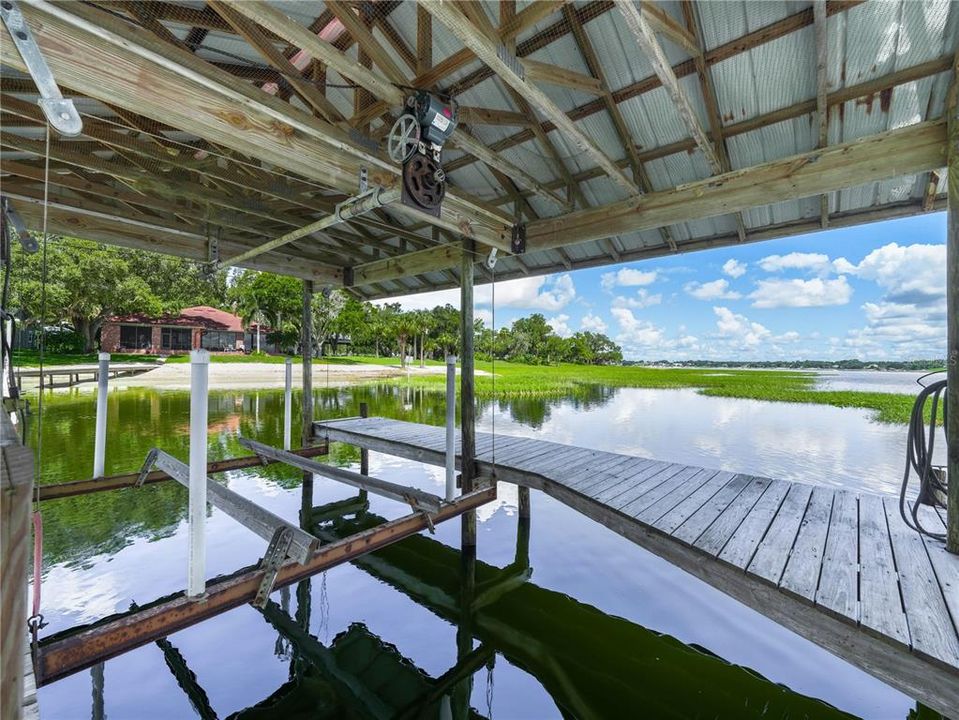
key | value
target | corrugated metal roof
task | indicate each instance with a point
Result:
(774, 74)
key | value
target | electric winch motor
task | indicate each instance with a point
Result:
(416, 141)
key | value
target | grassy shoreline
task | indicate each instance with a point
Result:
(513, 380)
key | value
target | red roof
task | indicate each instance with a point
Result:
(201, 316)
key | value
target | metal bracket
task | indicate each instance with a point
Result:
(147, 467)
(276, 553)
(27, 241)
(429, 523)
(60, 112)
(348, 277)
(213, 247)
(491, 258)
(364, 180)
(517, 243)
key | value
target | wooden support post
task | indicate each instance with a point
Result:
(952, 321)
(467, 418)
(306, 343)
(364, 453)
(16, 487)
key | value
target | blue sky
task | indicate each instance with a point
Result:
(872, 292)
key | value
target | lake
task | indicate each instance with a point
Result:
(601, 627)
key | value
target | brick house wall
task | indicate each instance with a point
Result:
(110, 337)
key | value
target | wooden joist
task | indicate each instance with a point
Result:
(102, 56)
(636, 21)
(912, 149)
(510, 70)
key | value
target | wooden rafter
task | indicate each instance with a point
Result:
(642, 31)
(629, 147)
(589, 11)
(259, 42)
(691, 16)
(509, 70)
(885, 83)
(822, 108)
(913, 149)
(214, 106)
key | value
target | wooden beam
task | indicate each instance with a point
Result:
(85, 49)
(952, 312)
(282, 25)
(909, 150)
(822, 107)
(587, 11)
(622, 130)
(414, 263)
(16, 489)
(806, 107)
(537, 71)
(487, 116)
(932, 187)
(465, 141)
(468, 470)
(691, 16)
(510, 70)
(259, 42)
(638, 24)
(424, 40)
(67, 653)
(166, 237)
(662, 23)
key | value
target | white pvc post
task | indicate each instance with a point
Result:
(450, 427)
(199, 387)
(100, 439)
(288, 405)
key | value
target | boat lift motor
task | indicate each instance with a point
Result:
(416, 141)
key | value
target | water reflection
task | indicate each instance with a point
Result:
(592, 655)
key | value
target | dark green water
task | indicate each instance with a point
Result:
(573, 620)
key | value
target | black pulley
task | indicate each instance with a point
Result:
(424, 183)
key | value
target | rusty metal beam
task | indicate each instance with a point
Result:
(71, 651)
(116, 482)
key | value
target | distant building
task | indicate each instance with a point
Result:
(194, 328)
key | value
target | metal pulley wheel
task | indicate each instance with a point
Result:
(424, 181)
(403, 139)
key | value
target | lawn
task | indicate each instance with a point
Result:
(515, 380)
(31, 358)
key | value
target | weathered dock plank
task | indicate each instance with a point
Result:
(837, 567)
(770, 557)
(880, 603)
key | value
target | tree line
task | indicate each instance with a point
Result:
(86, 283)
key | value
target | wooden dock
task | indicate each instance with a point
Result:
(75, 374)
(837, 567)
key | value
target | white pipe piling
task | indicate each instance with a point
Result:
(288, 405)
(100, 438)
(450, 427)
(199, 390)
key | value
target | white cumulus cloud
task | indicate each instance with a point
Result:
(809, 262)
(734, 268)
(713, 290)
(910, 274)
(627, 277)
(529, 293)
(641, 299)
(593, 323)
(738, 329)
(560, 325)
(816, 292)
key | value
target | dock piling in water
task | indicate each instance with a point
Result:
(199, 387)
(100, 440)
